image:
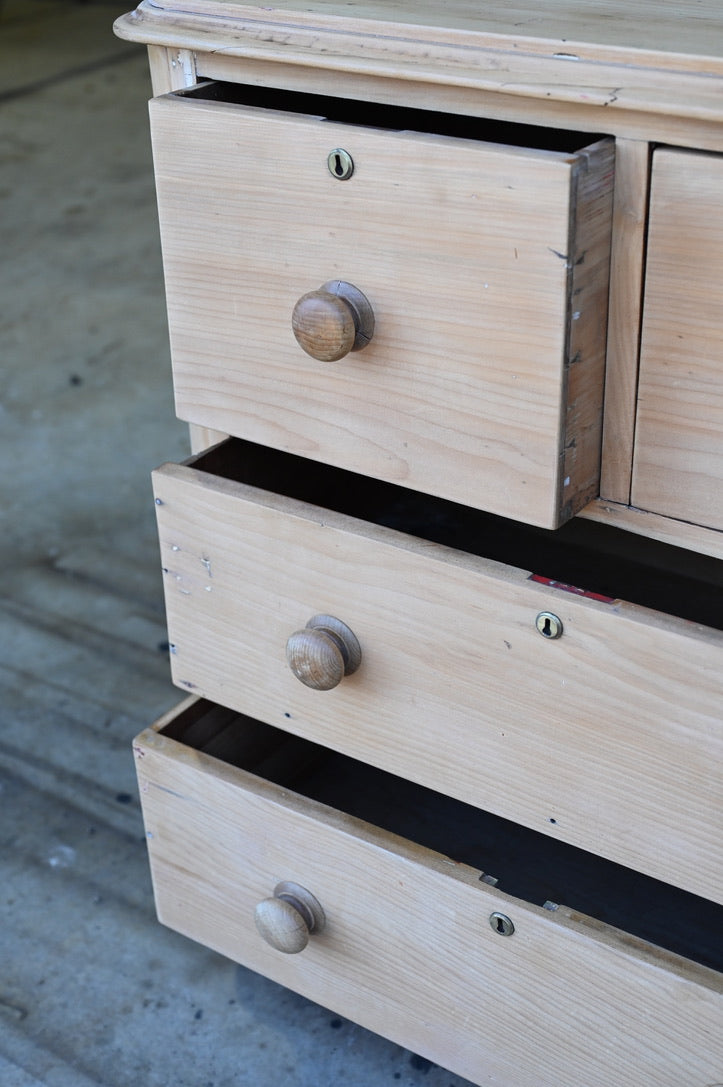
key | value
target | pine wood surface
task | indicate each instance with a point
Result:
(646, 73)
(607, 738)
(616, 101)
(644, 31)
(621, 744)
(632, 181)
(483, 381)
(678, 465)
(654, 526)
(563, 1000)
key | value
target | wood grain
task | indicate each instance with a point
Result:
(607, 738)
(281, 926)
(171, 69)
(503, 85)
(703, 541)
(678, 469)
(632, 180)
(204, 437)
(483, 381)
(647, 33)
(562, 1001)
(324, 326)
(654, 74)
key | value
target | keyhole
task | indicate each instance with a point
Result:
(340, 163)
(548, 625)
(501, 923)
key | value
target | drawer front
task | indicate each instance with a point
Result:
(407, 948)
(678, 467)
(485, 266)
(608, 737)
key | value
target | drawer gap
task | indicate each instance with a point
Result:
(526, 864)
(268, 752)
(592, 557)
(391, 117)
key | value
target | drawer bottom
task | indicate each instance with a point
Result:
(608, 976)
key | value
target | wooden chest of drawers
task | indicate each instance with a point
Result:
(448, 598)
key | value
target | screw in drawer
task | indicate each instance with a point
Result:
(340, 163)
(549, 625)
(502, 924)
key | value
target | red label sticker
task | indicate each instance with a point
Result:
(551, 584)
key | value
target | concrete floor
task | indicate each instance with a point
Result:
(92, 990)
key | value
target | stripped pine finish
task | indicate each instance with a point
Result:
(424, 265)
(541, 732)
(401, 919)
(484, 378)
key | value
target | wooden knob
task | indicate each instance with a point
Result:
(323, 653)
(331, 322)
(287, 920)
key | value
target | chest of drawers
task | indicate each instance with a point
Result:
(443, 578)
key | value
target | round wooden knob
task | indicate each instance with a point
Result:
(331, 322)
(323, 653)
(287, 920)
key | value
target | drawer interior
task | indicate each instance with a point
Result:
(520, 862)
(594, 558)
(391, 117)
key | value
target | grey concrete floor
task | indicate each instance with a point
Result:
(92, 989)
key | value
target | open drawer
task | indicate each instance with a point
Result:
(608, 737)
(485, 265)
(416, 942)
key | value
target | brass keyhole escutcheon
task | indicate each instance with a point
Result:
(340, 163)
(501, 924)
(549, 625)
